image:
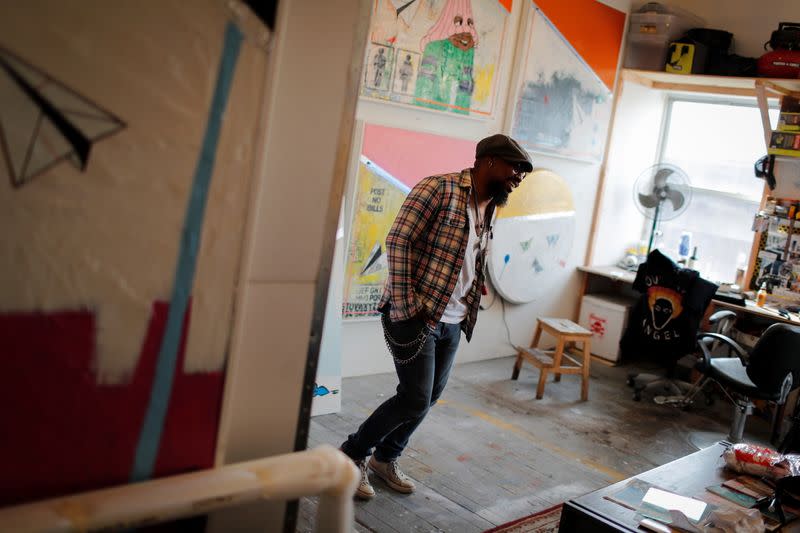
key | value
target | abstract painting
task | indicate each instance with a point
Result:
(437, 54)
(378, 200)
(393, 160)
(533, 237)
(563, 106)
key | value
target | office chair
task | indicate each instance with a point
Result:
(721, 323)
(770, 372)
(683, 392)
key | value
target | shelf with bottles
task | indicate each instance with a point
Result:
(775, 261)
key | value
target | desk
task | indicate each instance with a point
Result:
(768, 313)
(622, 277)
(688, 476)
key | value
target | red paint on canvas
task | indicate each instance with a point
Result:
(63, 433)
(410, 156)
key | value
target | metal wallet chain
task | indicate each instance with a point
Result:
(390, 342)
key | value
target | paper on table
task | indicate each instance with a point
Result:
(662, 500)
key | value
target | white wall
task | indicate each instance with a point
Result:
(309, 124)
(634, 146)
(751, 22)
(363, 348)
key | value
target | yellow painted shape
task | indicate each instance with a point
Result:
(502, 424)
(542, 191)
(483, 84)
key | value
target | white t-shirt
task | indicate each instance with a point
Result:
(456, 310)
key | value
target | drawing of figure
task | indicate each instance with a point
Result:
(379, 62)
(445, 74)
(406, 71)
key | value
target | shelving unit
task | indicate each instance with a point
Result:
(701, 83)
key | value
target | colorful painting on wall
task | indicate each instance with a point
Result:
(533, 237)
(393, 161)
(563, 103)
(441, 55)
(378, 199)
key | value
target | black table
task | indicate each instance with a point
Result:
(688, 476)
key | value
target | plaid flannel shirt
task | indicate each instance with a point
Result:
(426, 247)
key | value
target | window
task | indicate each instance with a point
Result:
(716, 143)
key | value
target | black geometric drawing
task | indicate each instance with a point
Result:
(375, 262)
(44, 122)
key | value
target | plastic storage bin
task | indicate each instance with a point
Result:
(650, 35)
(606, 316)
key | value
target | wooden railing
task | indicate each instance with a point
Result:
(324, 471)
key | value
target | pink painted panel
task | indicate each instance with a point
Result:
(410, 156)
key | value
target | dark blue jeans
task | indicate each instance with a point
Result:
(422, 381)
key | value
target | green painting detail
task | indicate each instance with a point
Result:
(445, 80)
(445, 76)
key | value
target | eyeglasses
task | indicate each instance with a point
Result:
(518, 167)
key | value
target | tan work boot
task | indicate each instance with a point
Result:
(392, 475)
(364, 490)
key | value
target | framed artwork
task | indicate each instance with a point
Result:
(436, 54)
(563, 100)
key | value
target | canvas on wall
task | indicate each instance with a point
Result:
(436, 54)
(378, 199)
(122, 266)
(564, 102)
(393, 160)
(533, 237)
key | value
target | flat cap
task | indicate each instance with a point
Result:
(504, 147)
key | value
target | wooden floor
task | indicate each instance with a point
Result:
(489, 452)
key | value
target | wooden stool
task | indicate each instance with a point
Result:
(565, 331)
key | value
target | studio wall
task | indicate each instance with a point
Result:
(363, 349)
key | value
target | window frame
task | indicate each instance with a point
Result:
(670, 99)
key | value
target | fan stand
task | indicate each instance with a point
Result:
(653, 229)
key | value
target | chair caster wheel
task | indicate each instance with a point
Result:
(637, 397)
(631, 382)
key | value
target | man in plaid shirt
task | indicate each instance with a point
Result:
(436, 249)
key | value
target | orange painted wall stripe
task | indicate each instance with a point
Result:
(594, 29)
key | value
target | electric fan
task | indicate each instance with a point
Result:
(662, 192)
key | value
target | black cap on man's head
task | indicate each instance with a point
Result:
(504, 147)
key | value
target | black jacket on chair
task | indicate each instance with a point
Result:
(665, 319)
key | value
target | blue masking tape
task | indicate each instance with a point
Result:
(153, 426)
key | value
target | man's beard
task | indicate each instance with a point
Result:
(498, 193)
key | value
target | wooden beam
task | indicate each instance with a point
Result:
(692, 88)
